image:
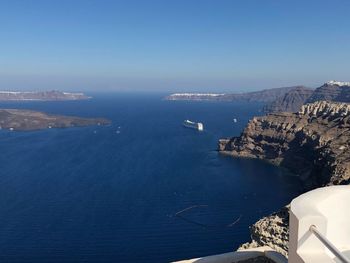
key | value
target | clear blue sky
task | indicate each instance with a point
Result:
(172, 45)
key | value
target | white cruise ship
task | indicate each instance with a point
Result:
(193, 125)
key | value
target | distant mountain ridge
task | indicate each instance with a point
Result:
(286, 99)
(52, 95)
(265, 96)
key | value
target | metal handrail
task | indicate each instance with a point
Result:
(328, 244)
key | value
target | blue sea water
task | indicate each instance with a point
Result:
(109, 194)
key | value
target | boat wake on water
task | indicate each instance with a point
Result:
(180, 215)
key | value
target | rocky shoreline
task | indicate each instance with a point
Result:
(272, 231)
(312, 143)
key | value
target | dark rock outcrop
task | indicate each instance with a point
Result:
(26, 120)
(291, 101)
(272, 231)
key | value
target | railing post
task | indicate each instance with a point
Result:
(328, 244)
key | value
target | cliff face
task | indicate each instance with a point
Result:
(331, 91)
(295, 98)
(312, 143)
(291, 101)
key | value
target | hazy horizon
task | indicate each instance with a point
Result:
(177, 46)
(76, 84)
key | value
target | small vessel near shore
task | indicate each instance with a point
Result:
(194, 125)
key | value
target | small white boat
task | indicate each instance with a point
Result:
(234, 120)
(193, 125)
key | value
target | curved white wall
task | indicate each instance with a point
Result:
(328, 209)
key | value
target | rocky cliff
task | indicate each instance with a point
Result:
(312, 143)
(331, 91)
(291, 101)
(272, 231)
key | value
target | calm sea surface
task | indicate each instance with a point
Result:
(110, 194)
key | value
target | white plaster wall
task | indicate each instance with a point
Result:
(329, 210)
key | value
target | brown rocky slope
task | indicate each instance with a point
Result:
(313, 143)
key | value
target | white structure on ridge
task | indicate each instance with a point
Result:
(339, 83)
(196, 94)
